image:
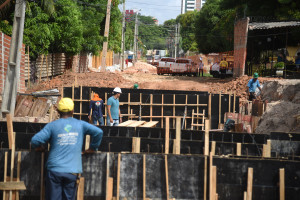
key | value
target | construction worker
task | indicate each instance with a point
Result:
(252, 85)
(64, 164)
(97, 108)
(113, 108)
(135, 86)
(223, 67)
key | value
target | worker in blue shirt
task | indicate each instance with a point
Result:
(64, 164)
(252, 85)
(113, 108)
(96, 110)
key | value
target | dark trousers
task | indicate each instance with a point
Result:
(252, 96)
(60, 186)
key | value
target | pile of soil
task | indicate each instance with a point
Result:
(284, 98)
(141, 67)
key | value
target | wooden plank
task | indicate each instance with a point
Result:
(185, 111)
(198, 111)
(151, 107)
(150, 124)
(5, 172)
(203, 119)
(281, 184)
(80, 189)
(167, 176)
(136, 124)
(249, 183)
(214, 182)
(238, 149)
(267, 149)
(13, 185)
(110, 188)
(174, 109)
(206, 139)
(136, 145)
(105, 120)
(209, 110)
(205, 179)
(192, 127)
(229, 103)
(127, 123)
(213, 148)
(12, 163)
(210, 176)
(10, 130)
(162, 111)
(167, 135)
(245, 195)
(144, 177)
(42, 191)
(87, 142)
(118, 176)
(234, 99)
(128, 108)
(220, 107)
(178, 136)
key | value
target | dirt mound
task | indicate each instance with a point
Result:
(141, 67)
(101, 79)
(284, 98)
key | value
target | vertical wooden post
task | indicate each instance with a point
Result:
(210, 176)
(185, 111)
(234, 99)
(281, 184)
(129, 105)
(151, 107)
(162, 111)
(118, 176)
(174, 110)
(167, 137)
(80, 106)
(10, 131)
(249, 183)
(229, 104)
(220, 107)
(28, 66)
(238, 149)
(209, 110)
(109, 186)
(245, 195)
(105, 120)
(80, 189)
(136, 145)
(12, 163)
(192, 123)
(167, 176)
(206, 139)
(42, 176)
(267, 149)
(214, 182)
(5, 173)
(144, 177)
(213, 148)
(198, 112)
(176, 150)
(205, 178)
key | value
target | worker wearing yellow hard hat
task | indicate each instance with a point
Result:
(65, 136)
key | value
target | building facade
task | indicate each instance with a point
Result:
(191, 5)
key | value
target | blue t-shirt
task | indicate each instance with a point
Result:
(114, 110)
(66, 139)
(252, 85)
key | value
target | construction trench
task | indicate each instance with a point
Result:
(169, 161)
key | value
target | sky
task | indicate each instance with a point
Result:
(160, 9)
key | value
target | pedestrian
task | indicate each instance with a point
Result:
(64, 164)
(252, 85)
(135, 86)
(97, 108)
(223, 67)
(201, 67)
(113, 108)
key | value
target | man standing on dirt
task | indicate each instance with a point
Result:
(252, 85)
(97, 108)
(113, 108)
(64, 164)
(223, 67)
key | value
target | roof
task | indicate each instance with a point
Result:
(270, 25)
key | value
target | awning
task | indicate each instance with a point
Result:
(270, 25)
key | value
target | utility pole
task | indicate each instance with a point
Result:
(14, 60)
(123, 37)
(106, 34)
(176, 37)
(135, 38)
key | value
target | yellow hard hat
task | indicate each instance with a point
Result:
(66, 105)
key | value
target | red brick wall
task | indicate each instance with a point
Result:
(240, 46)
(4, 53)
